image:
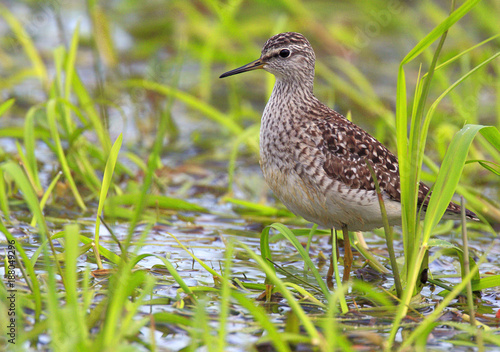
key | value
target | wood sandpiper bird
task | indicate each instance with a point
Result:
(314, 159)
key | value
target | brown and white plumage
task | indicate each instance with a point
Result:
(313, 158)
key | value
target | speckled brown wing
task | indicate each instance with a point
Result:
(346, 147)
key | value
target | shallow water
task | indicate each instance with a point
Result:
(205, 236)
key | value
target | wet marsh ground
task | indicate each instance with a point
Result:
(133, 213)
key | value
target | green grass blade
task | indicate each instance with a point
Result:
(173, 318)
(462, 53)
(31, 199)
(389, 236)
(431, 318)
(265, 250)
(4, 201)
(111, 256)
(439, 30)
(408, 188)
(492, 135)
(27, 44)
(106, 183)
(129, 324)
(47, 194)
(154, 201)
(102, 33)
(449, 176)
(18, 132)
(486, 282)
(87, 104)
(119, 320)
(285, 231)
(32, 279)
(333, 333)
(402, 147)
(263, 320)
(410, 154)
(225, 296)
(71, 235)
(434, 105)
(306, 321)
(15, 171)
(205, 266)
(69, 69)
(177, 277)
(6, 105)
(257, 208)
(51, 117)
(24, 162)
(30, 147)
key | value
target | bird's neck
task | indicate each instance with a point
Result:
(287, 102)
(291, 91)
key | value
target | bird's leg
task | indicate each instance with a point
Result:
(347, 254)
(329, 275)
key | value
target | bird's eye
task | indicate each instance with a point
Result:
(285, 53)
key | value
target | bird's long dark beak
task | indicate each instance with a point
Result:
(254, 65)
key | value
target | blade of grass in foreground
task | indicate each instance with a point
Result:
(259, 314)
(46, 195)
(407, 165)
(87, 105)
(71, 236)
(432, 108)
(51, 117)
(200, 334)
(15, 171)
(416, 145)
(121, 311)
(30, 147)
(444, 188)
(431, 318)
(225, 296)
(389, 236)
(408, 152)
(450, 172)
(106, 182)
(314, 335)
(445, 185)
(31, 279)
(466, 268)
(6, 105)
(266, 253)
(177, 277)
(205, 266)
(154, 201)
(4, 201)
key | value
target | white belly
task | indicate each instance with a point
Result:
(331, 208)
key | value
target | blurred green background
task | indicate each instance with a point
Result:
(185, 45)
